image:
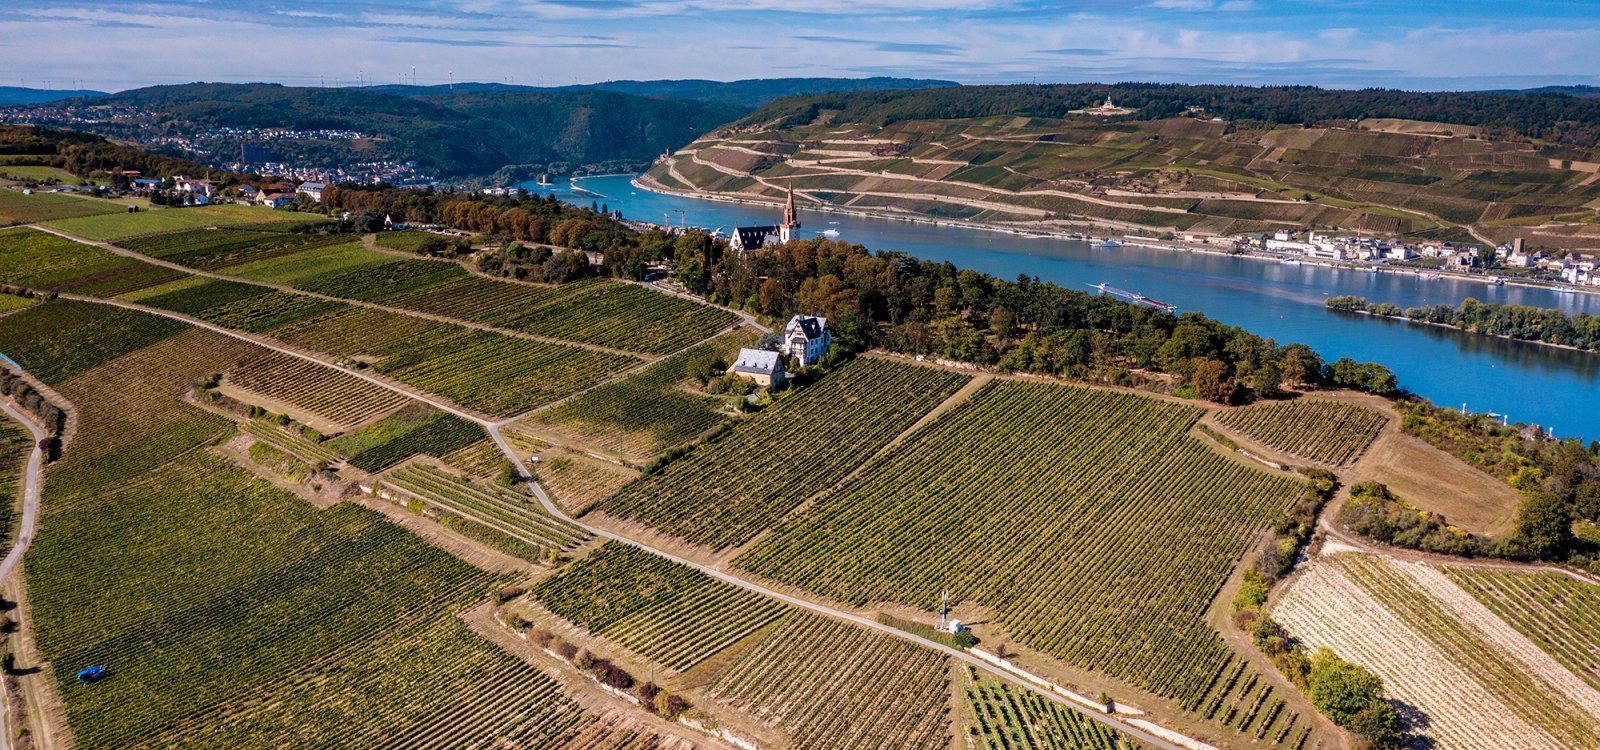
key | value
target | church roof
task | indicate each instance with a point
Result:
(754, 237)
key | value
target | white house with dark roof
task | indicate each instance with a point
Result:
(312, 190)
(807, 338)
(760, 365)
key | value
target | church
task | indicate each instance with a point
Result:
(746, 239)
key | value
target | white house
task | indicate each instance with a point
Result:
(807, 338)
(760, 365)
(274, 200)
(312, 189)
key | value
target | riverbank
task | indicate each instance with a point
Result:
(644, 182)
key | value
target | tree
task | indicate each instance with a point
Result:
(1211, 381)
(1544, 526)
(1301, 365)
(1340, 689)
(1267, 381)
(1380, 723)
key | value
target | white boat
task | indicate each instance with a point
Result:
(1289, 261)
(830, 233)
(1107, 244)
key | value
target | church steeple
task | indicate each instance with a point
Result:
(791, 218)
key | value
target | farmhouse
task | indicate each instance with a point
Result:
(807, 338)
(764, 367)
(275, 200)
(312, 189)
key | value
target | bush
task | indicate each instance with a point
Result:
(566, 650)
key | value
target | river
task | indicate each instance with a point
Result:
(1552, 387)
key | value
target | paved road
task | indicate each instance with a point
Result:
(30, 516)
(493, 429)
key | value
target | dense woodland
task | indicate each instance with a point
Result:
(1553, 117)
(83, 153)
(1521, 322)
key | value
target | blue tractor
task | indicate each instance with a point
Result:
(91, 674)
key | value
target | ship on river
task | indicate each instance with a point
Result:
(1112, 291)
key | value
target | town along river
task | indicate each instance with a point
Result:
(1544, 385)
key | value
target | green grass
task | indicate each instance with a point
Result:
(120, 226)
(16, 208)
(39, 173)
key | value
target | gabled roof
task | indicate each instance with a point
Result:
(752, 237)
(312, 186)
(809, 325)
(758, 361)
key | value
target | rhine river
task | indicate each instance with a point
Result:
(1556, 388)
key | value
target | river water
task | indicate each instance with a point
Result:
(1556, 388)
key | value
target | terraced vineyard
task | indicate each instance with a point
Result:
(726, 491)
(438, 436)
(1331, 432)
(1560, 614)
(1481, 683)
(609, 313)
(1000, 717)
(507, 512)
(667, 612)
(317, 388)
(649, 411)
(830, 684)
(1090, 523)
(492, 372)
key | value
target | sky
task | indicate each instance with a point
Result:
(1463, 44)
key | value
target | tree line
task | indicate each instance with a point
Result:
(900, 303)
(1558, 118)
(1521, 322)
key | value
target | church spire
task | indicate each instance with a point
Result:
(791, 218)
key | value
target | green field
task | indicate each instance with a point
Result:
(16, 208)
(1001, 717)
(438, 435)
(87, 335)
(122, 226)
(38, 173)
(725, 492)
(37, 260)
(301, 267)
(1089, 522)
(650, 411)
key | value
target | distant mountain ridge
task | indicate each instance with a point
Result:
(749, 93)
(10, 95)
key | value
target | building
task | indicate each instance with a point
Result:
(760, 365)
(807, 338)
(394, 221)
(198, 187)
(275, 200)
(312, 189)
(1106, 109)
(746, 239)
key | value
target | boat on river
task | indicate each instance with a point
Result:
(1112, 291)
(1107, 244)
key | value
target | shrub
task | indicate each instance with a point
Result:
(566, 650)
(541, 637)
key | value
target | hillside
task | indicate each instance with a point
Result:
(749, 93)
(20, 95)
(1242, 159)
(447, 134)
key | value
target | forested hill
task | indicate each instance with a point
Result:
(19, 95)
(1555, 117)
(750, 93)
(449, 133)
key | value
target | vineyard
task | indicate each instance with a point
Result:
(649, 411)
(1560, 614)
(317, 388)
(299, 267)
(57, 340)
(190, 616)
(577, 481)
(428, 683)
(830, 684)
(747, 479)
(213, 249)
(293, 444)
(1003, 718)
(1330, 432)
(672, 614)
(508, 512)
(1480, 683)
(384, 282)
(610, 313)
(437, 436)
(264, 311)
(492, 372)
(16, 444)
(1094, 527)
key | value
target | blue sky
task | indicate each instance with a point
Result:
(119, 44)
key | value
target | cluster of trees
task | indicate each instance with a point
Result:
(1559, 480)
(1522, 322)
(19, 390)
(84, 154)
(1376, 514)
(1553, 117)
(650, 695)
(897, 302)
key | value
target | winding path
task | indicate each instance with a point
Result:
(30, 516)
